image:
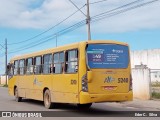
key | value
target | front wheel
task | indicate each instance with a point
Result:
(47, 99)
(17, 98)
(84, 106)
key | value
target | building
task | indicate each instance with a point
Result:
(147, 58)
(151, 58)
(155, 76)
(3, 79)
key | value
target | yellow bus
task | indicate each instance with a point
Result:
(81, 73)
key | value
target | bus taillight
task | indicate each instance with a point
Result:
(84, 83)
(130, 85)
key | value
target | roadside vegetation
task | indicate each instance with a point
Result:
(155, 90)
(5, 85)
(155, 84)
(155, 95)
(2, 85)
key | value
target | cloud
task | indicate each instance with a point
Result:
(146, 17)
(42, 14)
(45, 13)
(24, 15)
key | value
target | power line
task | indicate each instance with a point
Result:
(94, 19)
(48, 29)
(78, 8)
(98, 1)
(73, 14)
(34, 42)
(2, 46)
(51, 36)
(126, 5)
(31, 46)
(103, 16)
(71, 28)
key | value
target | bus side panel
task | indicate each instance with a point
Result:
(28, 81)
(65, 88)
(39, 83)
(22, 85)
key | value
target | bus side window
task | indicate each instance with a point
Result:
(21, 67)
(71, 61)
(47, 64)
(61, 59)
(29, 66)
(38, 65)
(16, 67)
(58, 60)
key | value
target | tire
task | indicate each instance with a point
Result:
(17, 98)
(84, 106)
(47, 99)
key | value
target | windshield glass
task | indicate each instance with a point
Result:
(107, 56)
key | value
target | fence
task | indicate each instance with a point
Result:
(141, 83)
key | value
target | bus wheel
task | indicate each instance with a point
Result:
(17, 98)
(84, 106)
(47, 99)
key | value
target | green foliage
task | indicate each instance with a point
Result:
(156, 95)
(5, 85)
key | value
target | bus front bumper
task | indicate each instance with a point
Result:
(85, 97)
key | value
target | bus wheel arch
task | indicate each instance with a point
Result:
(47, 98)
(17, 97)
(14, 89)
(44, 91)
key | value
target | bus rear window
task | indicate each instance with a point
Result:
(107, 56)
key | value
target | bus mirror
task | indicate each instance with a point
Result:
(8, 67)
(89, 76)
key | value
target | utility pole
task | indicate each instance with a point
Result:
(6, 58)
(88, 21)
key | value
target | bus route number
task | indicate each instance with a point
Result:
(122, 80)
(73, 82)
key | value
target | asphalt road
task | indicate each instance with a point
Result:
(8, 103)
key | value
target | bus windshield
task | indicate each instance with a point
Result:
(107, 56)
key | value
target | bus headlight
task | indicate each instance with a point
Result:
(84, 83)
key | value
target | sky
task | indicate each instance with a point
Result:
(21, 20)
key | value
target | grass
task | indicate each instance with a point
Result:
(155, 95)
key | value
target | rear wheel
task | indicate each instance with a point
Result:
(47, 99)
(17, 98)
(84, 106)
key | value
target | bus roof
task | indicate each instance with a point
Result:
(61, 48)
